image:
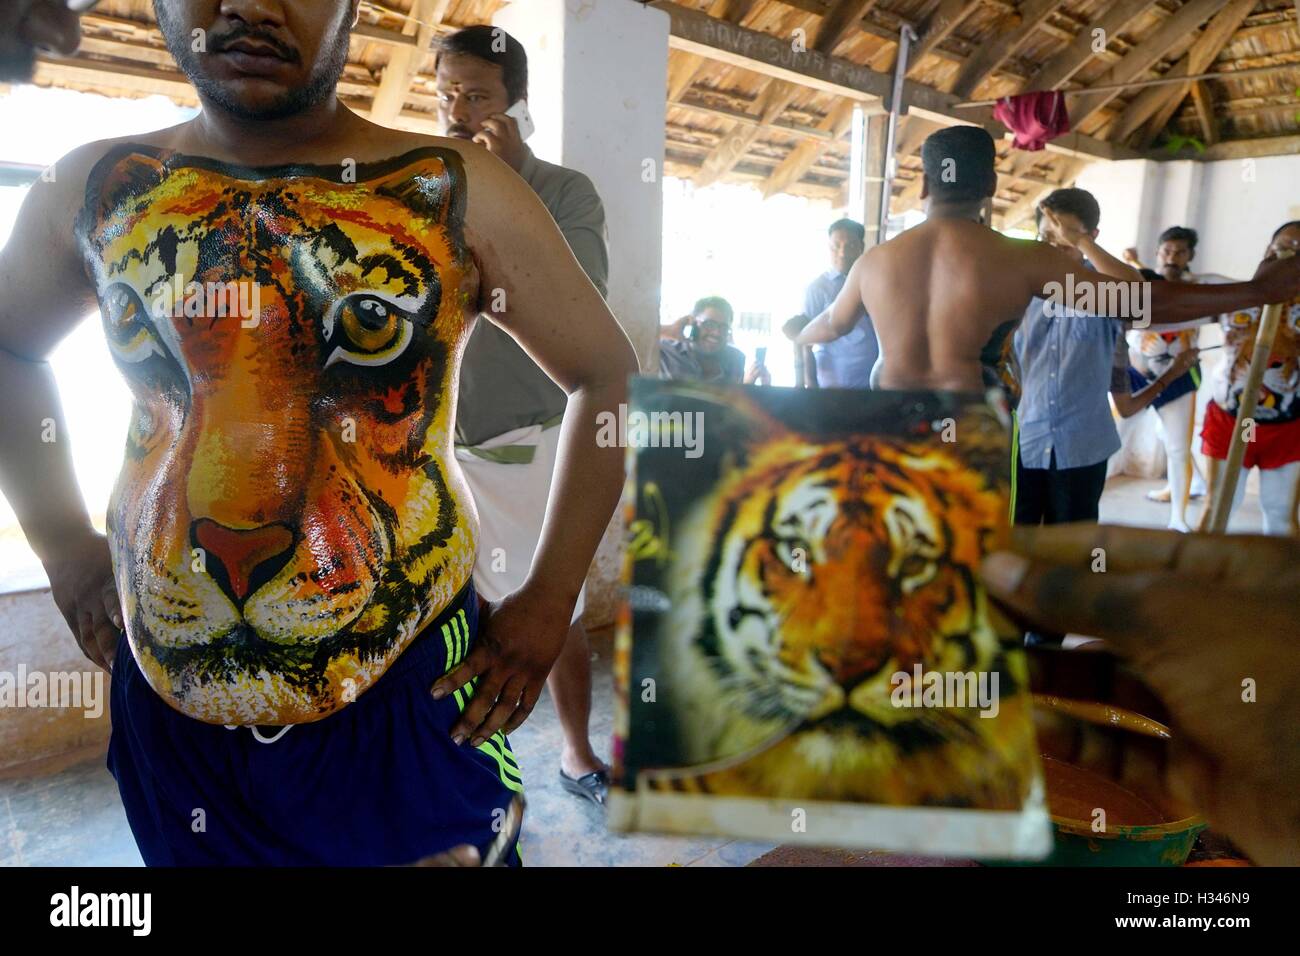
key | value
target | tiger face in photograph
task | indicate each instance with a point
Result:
(289, 515)
(814, 574)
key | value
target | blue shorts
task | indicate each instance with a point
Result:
(379, 782)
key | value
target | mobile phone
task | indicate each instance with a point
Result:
(523, 119)
(81, 6)
(495, 854)
(760, 356)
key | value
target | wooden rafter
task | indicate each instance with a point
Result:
(404, 61)
(1024, 207)
(839, 21)
(778, 94)
(936, 28)
(1060, 68)
(1205, 113)
(1143, 56)
(993, 54)
(684, 67)
(1163, 101)
(772, 101)
(806, 154)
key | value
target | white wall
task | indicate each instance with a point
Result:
(1242, 202)
(597, 74)
(1119, 189)
(1234, 204)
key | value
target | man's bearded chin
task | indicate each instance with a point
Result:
(321, 87)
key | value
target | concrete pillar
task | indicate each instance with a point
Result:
(598, 75)
(598, 80)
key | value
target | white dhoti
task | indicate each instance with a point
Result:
(510, 477)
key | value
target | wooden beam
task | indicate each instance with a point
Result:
(1243, 149)
(999, 47)
(777, 94)
(937, 27)
(805, 155)
(838, 21)
(404, 61)
(1024, 207)
(374, 34)
(693, 31)
(684, 67)
(112, 78)
(772, 102)
(1205, 113)
(1143, 56)
(822, 132)
(1162, 101)
(935, 30)
(1060, 68)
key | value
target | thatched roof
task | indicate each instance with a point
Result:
(737, 113)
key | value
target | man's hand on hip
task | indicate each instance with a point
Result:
(81, 580)
(519, 639)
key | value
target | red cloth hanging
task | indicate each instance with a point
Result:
(1034, 118)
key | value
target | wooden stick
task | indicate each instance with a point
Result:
(1226, 488)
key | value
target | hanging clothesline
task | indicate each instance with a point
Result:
(1162, 81)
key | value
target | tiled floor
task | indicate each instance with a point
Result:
(74, 818)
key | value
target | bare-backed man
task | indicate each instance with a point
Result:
(946, 296)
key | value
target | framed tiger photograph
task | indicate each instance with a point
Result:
(805, 653)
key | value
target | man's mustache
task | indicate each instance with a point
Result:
(221, 43)
(460, 130)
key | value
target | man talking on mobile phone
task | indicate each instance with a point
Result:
(509, 409)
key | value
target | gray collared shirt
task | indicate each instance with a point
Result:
(501, 388)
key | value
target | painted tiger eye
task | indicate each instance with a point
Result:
(123, 310)
(369, 324)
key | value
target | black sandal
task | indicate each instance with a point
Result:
(592, 786)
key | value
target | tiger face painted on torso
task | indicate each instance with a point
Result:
(835, 566)
(289, 514)
(1278, 393)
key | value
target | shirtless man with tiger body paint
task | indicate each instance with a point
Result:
(284, 592)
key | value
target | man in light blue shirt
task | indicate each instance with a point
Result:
(846, 362)
(1065, 429)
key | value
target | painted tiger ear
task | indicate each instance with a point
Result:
(122, 173)
(430, 182)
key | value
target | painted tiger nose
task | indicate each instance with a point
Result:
(242, 560)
